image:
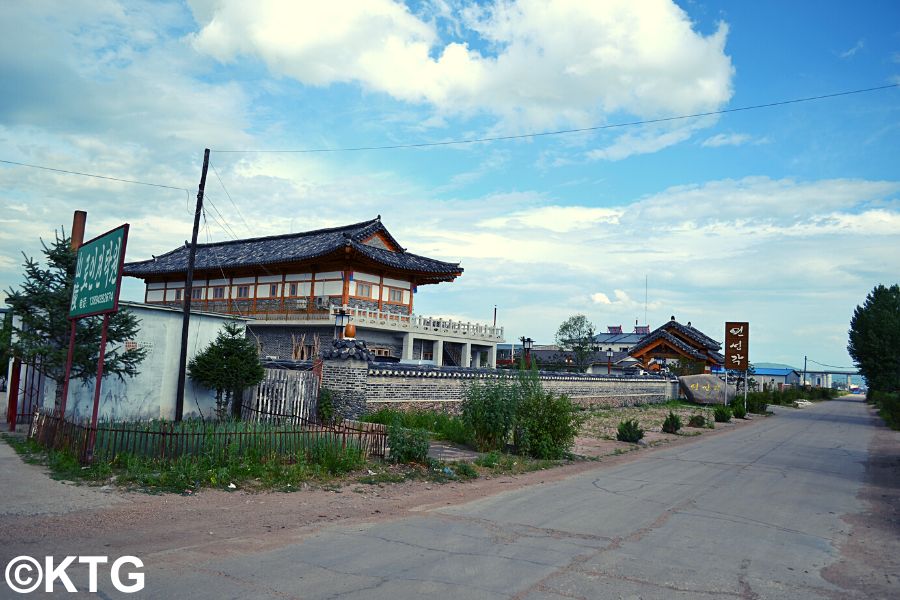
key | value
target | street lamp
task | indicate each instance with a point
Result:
(609, 354)
(341, 318)
(527, 345)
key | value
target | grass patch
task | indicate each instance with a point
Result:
(442, 426)
(252, 469)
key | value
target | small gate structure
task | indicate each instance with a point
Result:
(25, 393)
(283, 395)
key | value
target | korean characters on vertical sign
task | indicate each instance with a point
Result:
(737, 346)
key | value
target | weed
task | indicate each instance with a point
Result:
(722, 413)
(697, 421)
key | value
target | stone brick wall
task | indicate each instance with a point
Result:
(444, 389)
(346, 379)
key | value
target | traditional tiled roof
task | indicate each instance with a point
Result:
(293, 247)
(692, 333)
(661, 334)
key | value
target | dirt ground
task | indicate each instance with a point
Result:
(133, 520)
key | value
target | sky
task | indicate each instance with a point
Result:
(785, 216)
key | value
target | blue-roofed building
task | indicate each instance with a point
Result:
(772, 378)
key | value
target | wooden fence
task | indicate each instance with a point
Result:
(283, 395)
(167, 440)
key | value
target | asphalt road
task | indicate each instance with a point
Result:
(755, 513)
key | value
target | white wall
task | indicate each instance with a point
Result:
(151, 393)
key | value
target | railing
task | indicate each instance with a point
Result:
(421, 324)
(167, 440)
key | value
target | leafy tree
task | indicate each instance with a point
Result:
(875, 338)
(228, 365)
(576, 335)
(42, 303)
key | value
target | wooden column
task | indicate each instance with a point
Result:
(380, 292)
(345, 292)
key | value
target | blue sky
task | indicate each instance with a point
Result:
(785, 217)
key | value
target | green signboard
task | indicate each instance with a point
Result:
(98, 274)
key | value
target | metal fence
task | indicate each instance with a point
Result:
(168, 440)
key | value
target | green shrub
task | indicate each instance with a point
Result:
(489, 411)
(757, 403)
(408, 445)
(489, 460)
(629, 431)
(325, 406)
(672, 423)
(465, 470)
(546, 424)
(722, 414)
(697, 421)
(738, 410)
(888, 405)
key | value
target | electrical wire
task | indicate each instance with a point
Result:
(830, 366)
(567, 131)
(107, 177)
(236, 207)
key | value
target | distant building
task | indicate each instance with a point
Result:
(775, 379)
(293, 285)
(616, 340)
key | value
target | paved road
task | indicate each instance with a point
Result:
(752, 514)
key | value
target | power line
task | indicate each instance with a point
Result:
(240, 214)
(224, 222)
(567, 131)
(159, 185)
(831, 366)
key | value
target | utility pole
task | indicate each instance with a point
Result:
(189, 293)
(79, 220)
(803, 381)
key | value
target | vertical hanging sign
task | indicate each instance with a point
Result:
(737, 346)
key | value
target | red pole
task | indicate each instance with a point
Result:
(93, 433)
(12, 390)
(608, 366)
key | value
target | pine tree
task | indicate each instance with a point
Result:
(228, 365)
(42, 338)
(875, 338)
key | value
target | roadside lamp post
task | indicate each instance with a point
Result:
(341, 318)
(609, 354)
(527, 345)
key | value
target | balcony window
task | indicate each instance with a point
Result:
(292, 289)
(197, 294)
(219, 293)
(395, 296)
(364, 290)
(177, 295)
(243, 291)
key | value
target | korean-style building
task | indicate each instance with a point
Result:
(292, 286)
(675, 341)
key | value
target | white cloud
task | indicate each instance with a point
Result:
(731, 139)
(559, 219)
(536, 64)
(860, 44)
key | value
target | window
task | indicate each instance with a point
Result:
(273, 290)
(197, 294)
(293, 289)
(243, 291)
(177, 295)
(395, 296)
(219, 293)
(623, 349)
(364, 290)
